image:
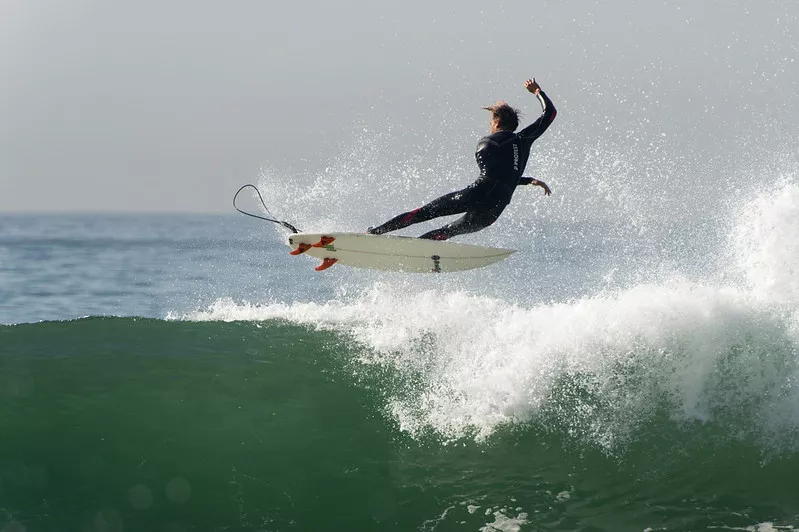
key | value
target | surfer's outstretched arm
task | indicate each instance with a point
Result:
(536, 182)
(537, 128)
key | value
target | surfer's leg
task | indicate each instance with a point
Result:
(470, 222)
(446, 205)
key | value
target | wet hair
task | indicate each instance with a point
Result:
(506, 117)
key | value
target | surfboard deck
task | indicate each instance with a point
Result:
(394, 253)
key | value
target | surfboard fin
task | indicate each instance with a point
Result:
(301, 248)
(326, 263)
(325, 240)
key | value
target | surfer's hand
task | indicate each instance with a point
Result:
(532, 86)
(539, 183)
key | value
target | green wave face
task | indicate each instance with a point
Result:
(124, 423)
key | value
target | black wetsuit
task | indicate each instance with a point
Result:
(502, 157)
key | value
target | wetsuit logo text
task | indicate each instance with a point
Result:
(515, 157)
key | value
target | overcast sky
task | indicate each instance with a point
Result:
(170, 105)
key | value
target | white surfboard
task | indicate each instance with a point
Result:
(393, 253)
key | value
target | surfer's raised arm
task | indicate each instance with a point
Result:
(537, 128)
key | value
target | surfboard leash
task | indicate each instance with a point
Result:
(284, 224)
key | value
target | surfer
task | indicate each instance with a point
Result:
(502, 157)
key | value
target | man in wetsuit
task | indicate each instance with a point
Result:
(502, 157)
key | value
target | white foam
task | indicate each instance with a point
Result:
(505, 523)
(766, 526)
(766, 239)
(480, 362)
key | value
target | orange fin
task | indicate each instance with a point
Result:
(325, 240)
(326, 263)
(301, 248)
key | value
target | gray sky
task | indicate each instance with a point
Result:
(171, 105)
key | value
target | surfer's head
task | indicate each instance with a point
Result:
(503, 117)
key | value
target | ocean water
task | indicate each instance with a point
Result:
(624, 370)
